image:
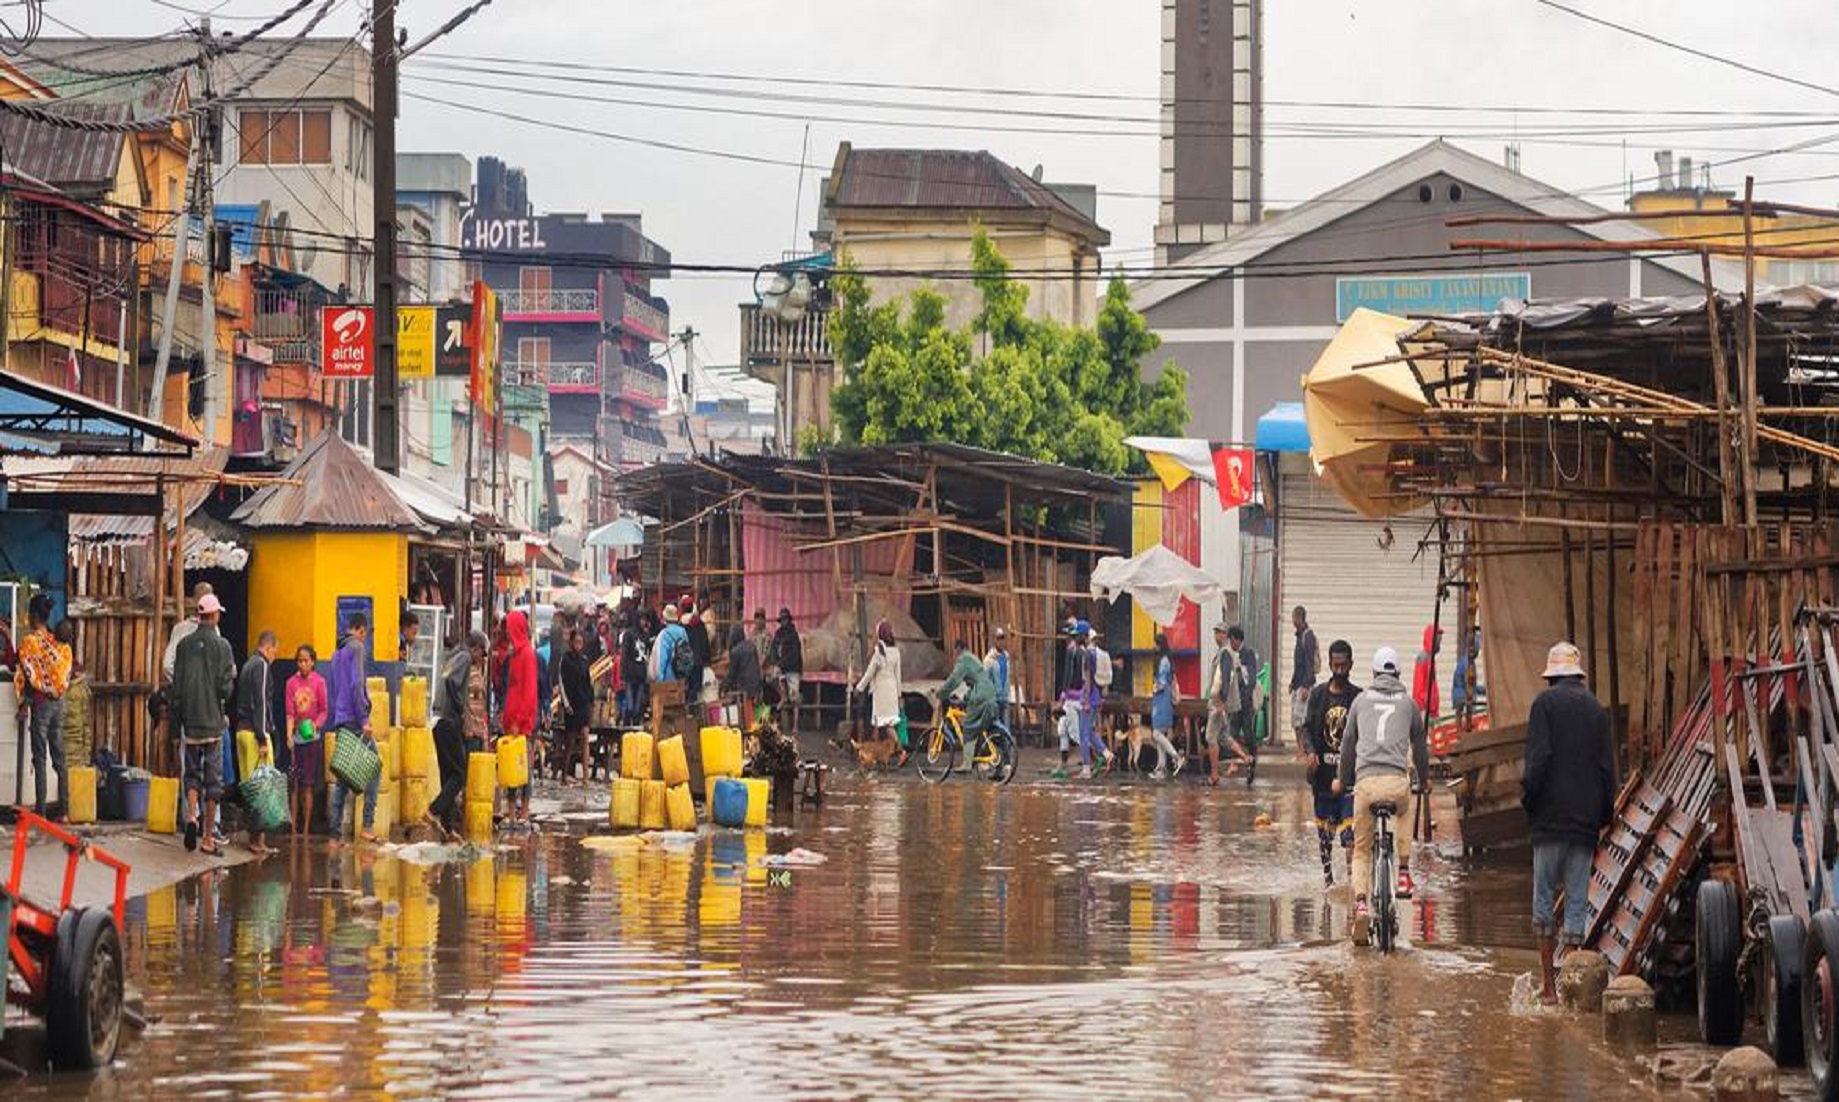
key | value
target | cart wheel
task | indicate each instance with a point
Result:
(1781, 989)
(1819, 1026)
(83, 1015)
(1718, 938)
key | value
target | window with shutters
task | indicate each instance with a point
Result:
(289, 137)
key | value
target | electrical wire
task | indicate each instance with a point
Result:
(445, 29)
(1149, 128)
(1681, 47)
(52, 117)
(547, 65)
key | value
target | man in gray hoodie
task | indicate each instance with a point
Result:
(1385, 738)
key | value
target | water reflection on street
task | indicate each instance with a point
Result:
(1041, 941)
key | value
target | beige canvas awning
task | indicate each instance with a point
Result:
(1356, 405)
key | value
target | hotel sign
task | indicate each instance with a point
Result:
(1404, 296)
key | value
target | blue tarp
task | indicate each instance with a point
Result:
(242, 220)
(1283, 429)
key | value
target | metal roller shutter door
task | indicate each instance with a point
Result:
(1333, 565)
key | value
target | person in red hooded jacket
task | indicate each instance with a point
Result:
(519, 700)
(1424, 690)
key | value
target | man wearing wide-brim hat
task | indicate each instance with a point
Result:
(1569, 794)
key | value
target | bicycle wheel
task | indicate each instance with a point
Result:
(1008, 758)
(938, 757)
(1384, 903)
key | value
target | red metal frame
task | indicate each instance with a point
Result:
(39, 920)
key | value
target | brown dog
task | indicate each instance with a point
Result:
(1136, 737)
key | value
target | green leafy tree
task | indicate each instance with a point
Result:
(1005, 381)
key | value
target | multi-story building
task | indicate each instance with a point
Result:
(916, 210)
(433, 192)
(1684, 203)
(292, 180)
(580, 321)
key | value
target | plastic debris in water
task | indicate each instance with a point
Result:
(798, 858)
(1525, 997)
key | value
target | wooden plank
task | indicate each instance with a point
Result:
(1775, 843)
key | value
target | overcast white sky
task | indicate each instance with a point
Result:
(1470, 53)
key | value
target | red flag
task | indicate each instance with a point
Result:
(1232, 473)
(75, 370)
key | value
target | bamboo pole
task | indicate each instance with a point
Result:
(1720, 374)
(1749, 351)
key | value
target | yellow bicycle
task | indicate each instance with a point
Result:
(992, 751)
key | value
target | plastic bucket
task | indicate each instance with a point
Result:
(673, 766)
(624, 811)
(759, 800)
(418, 752)
(680, 808)
(651, 805)
(635, 755)
(729, 808)
(481, 777)
(163, 805)
(721, 751)
(479, 822)
(134, 800)
(415, 795)
(513, 761)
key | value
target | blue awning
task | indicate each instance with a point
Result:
(1283, 429)
(38, 417)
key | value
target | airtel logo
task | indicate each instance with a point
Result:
(349, 326)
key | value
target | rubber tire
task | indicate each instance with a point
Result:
(1780, 990)
(1384, 908)
(1718, 938)
(935, 767)
(84, 1002)
(1011, 762)
(1822, 1053)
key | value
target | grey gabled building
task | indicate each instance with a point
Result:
(1247, 317)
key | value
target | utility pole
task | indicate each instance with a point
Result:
(386, 446)
(688, 397)
(175, 275)
(212, 122)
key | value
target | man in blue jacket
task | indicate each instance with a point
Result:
(1569, 793)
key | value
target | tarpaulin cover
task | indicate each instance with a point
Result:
(779, 575)
(1157, 580)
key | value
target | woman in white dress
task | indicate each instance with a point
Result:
(881, 680)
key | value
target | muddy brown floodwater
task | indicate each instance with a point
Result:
(1046, 941)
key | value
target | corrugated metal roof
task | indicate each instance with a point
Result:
(329, 485)
(942, 178)
(76, 160)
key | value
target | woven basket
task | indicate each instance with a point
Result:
(265, 794)
(354, 761)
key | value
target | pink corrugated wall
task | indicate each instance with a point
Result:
(780, 576)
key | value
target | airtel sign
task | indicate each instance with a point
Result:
(346, 341)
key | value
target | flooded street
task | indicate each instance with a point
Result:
(1051, 941)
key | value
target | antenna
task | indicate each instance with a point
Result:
(798, 200)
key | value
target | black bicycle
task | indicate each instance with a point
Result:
(1384, 901)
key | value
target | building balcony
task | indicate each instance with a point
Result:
(643, 387)
(564, 304)
(767, 342)
(646, 316)
(573, 377)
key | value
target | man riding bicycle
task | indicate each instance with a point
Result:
(970, 675)
(1384, 740)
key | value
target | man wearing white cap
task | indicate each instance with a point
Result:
(204, 677)
(1384, 740)
(1569, 793)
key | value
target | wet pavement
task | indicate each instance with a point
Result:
(1052, 941)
